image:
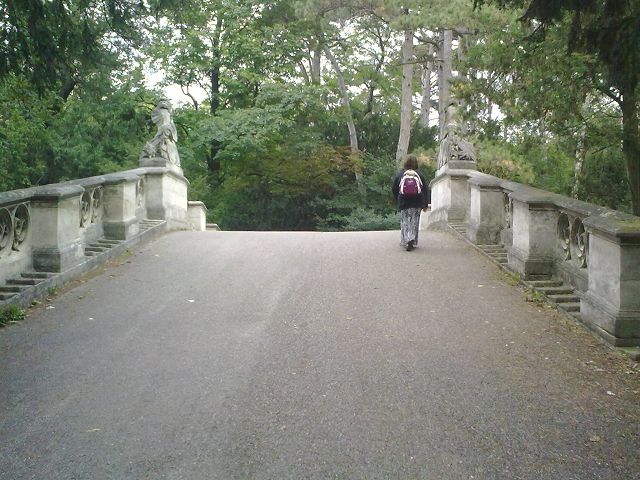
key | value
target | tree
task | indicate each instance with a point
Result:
(610, 31)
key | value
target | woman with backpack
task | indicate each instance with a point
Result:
(411, 193)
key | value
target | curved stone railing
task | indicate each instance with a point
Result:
(594, 249)
(57, 228)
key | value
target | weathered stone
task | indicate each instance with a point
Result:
(612, 302)
(120, 221)
(486, 210)
(55, 235)
(197, 213)
(162, 150)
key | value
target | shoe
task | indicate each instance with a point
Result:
(410, 246)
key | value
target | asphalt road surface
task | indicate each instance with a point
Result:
(229, 355)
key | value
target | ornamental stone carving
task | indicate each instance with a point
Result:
(14, 227)
(573, 239)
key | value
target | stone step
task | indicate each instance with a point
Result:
(494, 250)
(94, 248)
(544, 283)
(537, 277)
(6, 296)
(43, 275)
(571, 307)
(564, 298)
(560, 290)
(12, 288)
(24, 281)
(498, 255)
(108, 243)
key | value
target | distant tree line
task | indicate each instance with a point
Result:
(309, 105)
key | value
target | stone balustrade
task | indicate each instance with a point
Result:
(594, 249)
(60, 227)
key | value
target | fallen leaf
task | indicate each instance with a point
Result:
(595, 439)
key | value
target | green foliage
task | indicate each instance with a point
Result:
(101, 130)
(359, 219)
(605, 167)
(502, 160)
(23, 133)
(11, 314)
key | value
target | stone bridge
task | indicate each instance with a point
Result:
(211, 355)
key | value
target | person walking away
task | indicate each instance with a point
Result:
(410, 191)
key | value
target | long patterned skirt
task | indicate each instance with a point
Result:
(409, 226)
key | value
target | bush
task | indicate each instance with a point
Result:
(10, 314)
(359, 220)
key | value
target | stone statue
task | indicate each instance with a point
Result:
(163, 145)
(453, 147)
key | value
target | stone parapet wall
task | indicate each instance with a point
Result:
(51, 228)
(592, 248)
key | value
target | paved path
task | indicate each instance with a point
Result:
(310, 356)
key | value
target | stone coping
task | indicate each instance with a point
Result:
(16, 196)
(618, 226)
(86, 182)
(124, 177)
(72, 188)
(160, 171)
(192, 203)
(611, 223)
(56, 192)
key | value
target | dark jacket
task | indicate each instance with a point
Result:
(418, 201)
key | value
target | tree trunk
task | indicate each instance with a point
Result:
(425, 107)
(214, 73)
(353, 137)
(631, 144)
(581, 148)
(444, 76)
(315, 64)
(406, 104)
(185, 91)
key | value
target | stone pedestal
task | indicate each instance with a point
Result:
(120, 221)
(55, 228)
(166, 197)
(486, 210)
(197, 213)
(611, 306)
(449, 197)
(159, 162)
(534, 225)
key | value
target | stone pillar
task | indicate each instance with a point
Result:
(55, 228)
(449, 197)
(534, 226)
(486, 210)
(611, 305)
(166, 197)
(197, 212)
(119, 199)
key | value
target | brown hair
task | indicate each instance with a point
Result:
(410, 162)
